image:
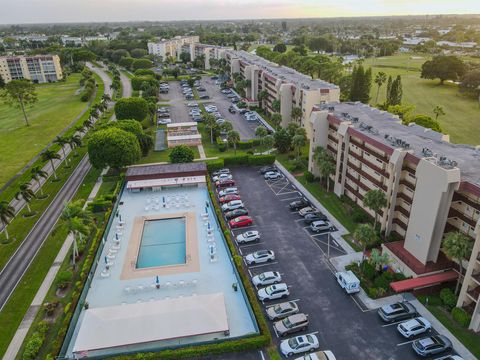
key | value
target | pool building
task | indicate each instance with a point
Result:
(164, 276)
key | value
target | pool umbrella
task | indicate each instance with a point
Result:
(206, 210)
(163, 198)
(116, 236)
(106, 260)
(120, 217)
(157, 281)
(209, 226)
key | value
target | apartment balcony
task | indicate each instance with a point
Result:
(476, 277)
(398, 249)
(369, 164)
(332, 149)
(460, 197)
(333, 138)
(402, 210)
(367, 176)
(469, 308)
(358, 182)
(408, 169)
(372, 152)
(408, 184)
(354, 192)
(473, 293)
(457, 214)
(405, 197)
(400, 223)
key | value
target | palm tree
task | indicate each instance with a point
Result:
(325, 163)
(26, 194)
(296, 114)
(50, 155)
(78, 222)
(60, 140)
(298, 142)
(80, 128)
(380, 79)
(233, 137)
(276, 120)
(106, 98)
(210, 124)
(7, 212)
(375, 200)
(261, 132)
(226, 126)
(366, 235)
(88, 123)
(457, 246)
(36, 173)
(74, 141)
(438, 111)
(262, 95)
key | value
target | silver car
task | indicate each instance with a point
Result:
(279, 311)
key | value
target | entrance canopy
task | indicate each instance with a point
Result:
(424, 281)
(121, 325)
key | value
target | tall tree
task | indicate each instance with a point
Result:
(361, 84)
(457, 246)
(233, 137)
(296, 114)
(444, 68)
(276, 105)
(36, 173)
(261, 132)
(326, 164)
(276, 120)
(262, 95)
(78, 221)
(366, 235)
(394, 95)
(20, 93)
(298, 142)
(74, 142)
(7, 212)
(26, 194)
(380, 79)
(61, 141)
(210, 125)
(438, 111)
(50, 155)
(375, 200)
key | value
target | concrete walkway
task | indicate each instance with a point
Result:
(201, 151)
(37, 302)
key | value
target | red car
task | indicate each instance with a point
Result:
(240, 221)
(225, 183)
(228, 198)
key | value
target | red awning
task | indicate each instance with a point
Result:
(422, 281)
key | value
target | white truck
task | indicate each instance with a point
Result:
(348, 281)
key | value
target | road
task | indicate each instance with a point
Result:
(20, 261)
(126, 85)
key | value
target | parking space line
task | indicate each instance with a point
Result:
(250, 273)
(262, 265)
(293, 198)
(394, 323)
(240, 251)
(331, 246)
(358, 304)
(251, 245)
(261, 354)
(406, 343)
(300, 220)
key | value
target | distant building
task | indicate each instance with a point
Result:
(415, 40)
(183, 133)
(171, 47)
(38, 69)
(464, 45)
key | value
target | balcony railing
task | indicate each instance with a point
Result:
(402, 210)
(369, 150)
(455, 213)
(400, 223)
(367, 176)
(474, 293)
(460, 197)
(405, 197)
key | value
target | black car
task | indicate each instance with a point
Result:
(204, 97)
(397, 311)
(231, 110)
(215, 77)
(267, 168)
(235, 213)
(299, 204)
(309, 218)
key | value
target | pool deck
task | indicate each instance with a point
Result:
(213, 273)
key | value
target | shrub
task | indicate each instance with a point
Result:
(359, 215)
(261, 160)
(64, 278)
(33, 346)
(131, 108)
(236, 160)
(99, 205)
(309, 177)
(213, 165)
(448, 298)
(368, 270)
(461, 316)
(221, 145)
(181, 154)
(372, 292)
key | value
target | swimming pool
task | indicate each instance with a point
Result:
(163, 243)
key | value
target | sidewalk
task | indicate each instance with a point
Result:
(37, 302)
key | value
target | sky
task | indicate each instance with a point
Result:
(48, 11)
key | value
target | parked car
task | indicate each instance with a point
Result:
(248, 236)
(222, 177)
(397, 311)
(299, 344)
(260, 257)
(318, 216)
(192, 104)
(221, 171)
(225, 183)
(267, 278)
(273, 292)
(431, 345)
(414, 327)
(235, 213)
(232, 205)
(164, 115)
(318, 355)
(197, 118)
(282, 310)
(231, 110)
(220, 121)
(203, 97)
(307, 210)
(228, 191)
(265, 169)
(320, 225)
(164, 121)
(272, 175)
(291, 324)
(241, 221)
(298, 204)
(449, 357)
(227, 198)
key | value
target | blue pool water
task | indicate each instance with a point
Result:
(163, 243)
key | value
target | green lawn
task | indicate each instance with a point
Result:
(58, 105)
(461, 111)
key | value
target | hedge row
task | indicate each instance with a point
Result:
(252, 160)
(251, 342)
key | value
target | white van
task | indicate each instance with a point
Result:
(348, 281)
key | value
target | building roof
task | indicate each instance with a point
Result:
(288, 75)
(159, 169)
(387, 129)
(182, 124)
(121, 325)
(422, 281)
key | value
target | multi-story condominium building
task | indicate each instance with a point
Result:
(207, 51)
(172, 47)
(432, 187)
(38, 69)
(290, 87)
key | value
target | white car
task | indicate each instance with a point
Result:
(260, 257)
(192, 104)
(279, 311)
(299, 344)
(248, 236)
(222, 177)
(273, 292)
(307, 210)
(272, 175)
(267, 278)
(413, 327)
(220, 121)
(449, 357)
(164, 121)
(232, 205)
(320, 225)
(318, 355)
(228, 191)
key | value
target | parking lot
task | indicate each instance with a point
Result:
(340, 321)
